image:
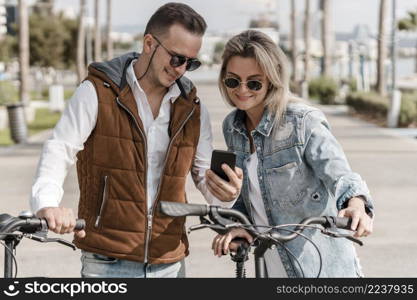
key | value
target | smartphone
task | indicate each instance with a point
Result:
(220, 157)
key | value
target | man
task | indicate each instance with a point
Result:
(137, 129)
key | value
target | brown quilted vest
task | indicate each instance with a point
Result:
(112, 177)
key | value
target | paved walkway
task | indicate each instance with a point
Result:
(387, 161)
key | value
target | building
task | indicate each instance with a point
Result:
(3, 18)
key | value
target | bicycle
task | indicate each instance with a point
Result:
(222, 220)
(29, 227)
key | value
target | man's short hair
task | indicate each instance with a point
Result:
(175, 13)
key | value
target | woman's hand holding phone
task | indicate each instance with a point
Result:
(222, 189)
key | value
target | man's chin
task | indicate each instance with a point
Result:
(167, 82)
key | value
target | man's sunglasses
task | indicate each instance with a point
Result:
(232, 83)
(178, 60)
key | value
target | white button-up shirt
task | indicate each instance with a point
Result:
(78, 121)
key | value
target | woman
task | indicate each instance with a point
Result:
(293, 166)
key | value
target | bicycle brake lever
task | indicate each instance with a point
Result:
(341, 235)
(217, 228)
(66, 243)
(355, 240)
(197, 227)
(43, 239)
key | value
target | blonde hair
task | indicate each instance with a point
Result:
(272, 61)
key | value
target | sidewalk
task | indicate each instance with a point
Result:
(386, 161)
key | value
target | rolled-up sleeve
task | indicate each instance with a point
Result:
(326, 157)
(201, 162)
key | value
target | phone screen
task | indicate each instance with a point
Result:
(220, 157)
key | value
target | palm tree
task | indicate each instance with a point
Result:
(326, 37)
(97, 31)
(409, 23)
(307, 21)
(382, 48)
(293, 35)
(24, 51)
(81, 42)
(108, 32)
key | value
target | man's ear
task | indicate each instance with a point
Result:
(148, 43)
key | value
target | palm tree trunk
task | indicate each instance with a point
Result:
(293, 34)
(81, 42)
(382, 48)
(24, 51)
(326, 36)
(415, 63)
(97, 31)
(108, 31)
(307, 37)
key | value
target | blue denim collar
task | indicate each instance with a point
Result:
(264, 127)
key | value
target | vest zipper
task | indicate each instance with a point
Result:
(103, 201)
(150, 216)
(148, 235)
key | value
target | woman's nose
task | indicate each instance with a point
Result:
(243, 87)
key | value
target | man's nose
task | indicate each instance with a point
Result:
(180, 70)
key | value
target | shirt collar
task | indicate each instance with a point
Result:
(173, 91)
(264, 127)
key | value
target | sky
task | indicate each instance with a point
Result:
(225, 15)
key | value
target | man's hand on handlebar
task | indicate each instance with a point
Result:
(60, 220)
(223, 243)
(362, 223)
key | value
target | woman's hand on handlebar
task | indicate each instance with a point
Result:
(60, 220)
(223, 243)
(362, 223)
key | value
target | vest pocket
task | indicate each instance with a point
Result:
(104, 197)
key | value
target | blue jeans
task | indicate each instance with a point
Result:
(99, 266)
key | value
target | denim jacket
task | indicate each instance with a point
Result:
(302, 172)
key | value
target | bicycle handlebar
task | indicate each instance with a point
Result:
(10, 224)
(174, 209)
(30, 227)
(326, 221)
(220, 220)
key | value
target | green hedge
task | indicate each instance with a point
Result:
(323, 89)
(373, 105)
(9, 93)
(408, 113)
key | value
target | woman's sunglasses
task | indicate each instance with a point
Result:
(178, 60)
(232, 83)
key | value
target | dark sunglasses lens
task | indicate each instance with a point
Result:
(231, 83)
(254, 85)
(177, 60)
(193, 64)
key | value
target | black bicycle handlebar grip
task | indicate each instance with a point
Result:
(174, 209)
(79, 224)
(343, 223)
